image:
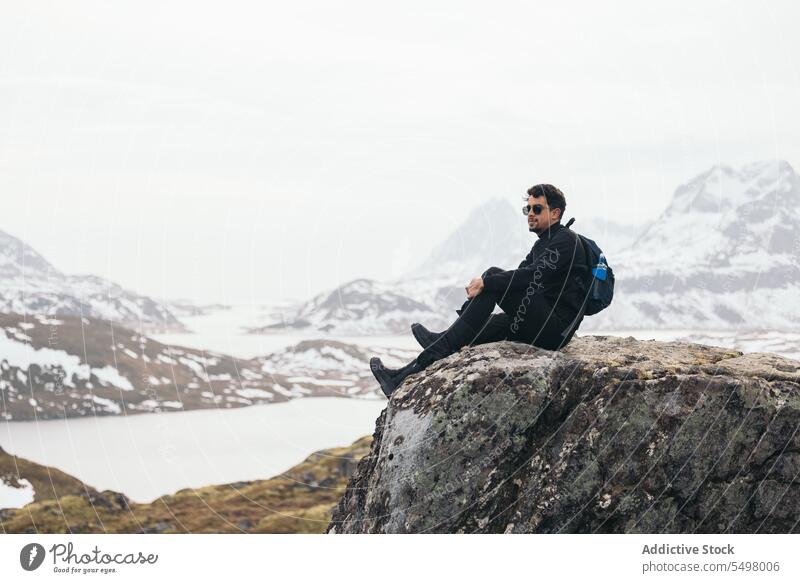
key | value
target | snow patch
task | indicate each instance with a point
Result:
(11, 497)
(108, 375)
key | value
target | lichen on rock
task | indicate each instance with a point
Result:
(608, 435)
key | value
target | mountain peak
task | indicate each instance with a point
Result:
(758, 192)
(494, 233)
(776, 167)
(724, 187)
(17, 258)
(32, 285)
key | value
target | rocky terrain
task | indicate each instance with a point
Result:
(52, 368)
(609, 435)
(298, 501)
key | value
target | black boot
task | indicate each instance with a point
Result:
(389, 379)
(424, 336)
(457, 335)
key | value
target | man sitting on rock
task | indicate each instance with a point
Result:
(540, 299)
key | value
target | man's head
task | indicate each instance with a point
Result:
(550, 203)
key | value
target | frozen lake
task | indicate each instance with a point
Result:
(223, 331)
(146, 456)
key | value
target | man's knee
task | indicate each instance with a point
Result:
(492, 271)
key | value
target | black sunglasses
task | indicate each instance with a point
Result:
(537, 208)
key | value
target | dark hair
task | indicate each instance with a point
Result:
(555, 198)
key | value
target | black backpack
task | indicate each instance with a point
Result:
(598, 287)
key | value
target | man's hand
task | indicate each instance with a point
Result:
(474, 287)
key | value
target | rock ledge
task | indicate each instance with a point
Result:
(609, 435)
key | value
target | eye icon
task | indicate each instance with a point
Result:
(31, 556)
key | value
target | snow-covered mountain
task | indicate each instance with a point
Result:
(722, 256)
(31, 285)
(75, 367)
(79, 367)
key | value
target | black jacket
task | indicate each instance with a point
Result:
(555, 268)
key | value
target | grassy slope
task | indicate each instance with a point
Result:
(299, 500)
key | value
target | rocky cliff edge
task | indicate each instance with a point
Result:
(609, 435)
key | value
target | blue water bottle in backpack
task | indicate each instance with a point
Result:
(600, 271)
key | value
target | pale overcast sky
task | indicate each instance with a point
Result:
(248, 152)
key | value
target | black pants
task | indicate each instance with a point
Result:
(527, 318)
